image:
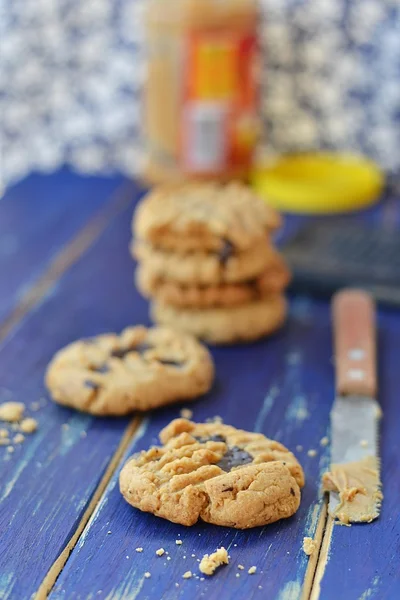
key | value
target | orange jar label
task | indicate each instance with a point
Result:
(219, 105)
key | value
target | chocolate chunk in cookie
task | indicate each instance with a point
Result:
(226, 252)
(137, 370)
(216, 473)
(234, 457)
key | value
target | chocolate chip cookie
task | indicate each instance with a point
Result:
(203, 216)
(138, 370)
(216, 473)
(201, 267)
(273, 280)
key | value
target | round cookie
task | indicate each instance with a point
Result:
(205, 268)
(203, 216)
(137, 370)
(228, 295)
(216, 473)
(273, 281)
(224, 325)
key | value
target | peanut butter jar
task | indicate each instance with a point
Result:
(201, 97)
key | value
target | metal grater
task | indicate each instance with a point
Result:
(327, 255)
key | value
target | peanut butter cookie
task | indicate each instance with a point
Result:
(199, 267)
(140, 369)
(272, 281)
(203, 216)
(225, 324)
(216, 473)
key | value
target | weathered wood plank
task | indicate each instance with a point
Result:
(47, 482)
(38, 216)
(282, 387)
(363, 560)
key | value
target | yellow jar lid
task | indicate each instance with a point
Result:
(319, 183)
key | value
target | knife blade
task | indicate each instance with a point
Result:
(354, 479)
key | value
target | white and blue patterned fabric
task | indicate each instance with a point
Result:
(71, 72)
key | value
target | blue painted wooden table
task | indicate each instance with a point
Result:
(65, 272)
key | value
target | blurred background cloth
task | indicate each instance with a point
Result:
(72, 71)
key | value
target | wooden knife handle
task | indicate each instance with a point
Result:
(355, 343)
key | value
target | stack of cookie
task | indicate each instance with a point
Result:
(207, 261)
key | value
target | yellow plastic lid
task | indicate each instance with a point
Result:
(319, 183)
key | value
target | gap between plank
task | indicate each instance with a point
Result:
(322, 558)
(318, 560)
(69, 254)
(55, 570)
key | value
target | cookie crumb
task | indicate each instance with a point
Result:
(237, 574)
(186, 413)
(252, 570)
(299, 448)
(210, 562)
(309, 546)
(11, 411)
(10, 449)
(160, 551)
(178, 542)
(324, 441)
(147, 574)
(4, 441)
(193, 556)
(364, 443)
(241, 567)
(28, 425)
(139, 549)
(187, 575)
(216, 419)
(312, 452)
(35, 406)
(108, 532)
(3, 433)
(18, 438)
(177, 585)
(168, 558)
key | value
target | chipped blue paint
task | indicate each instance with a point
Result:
(127, 590)
(28, 452)
(290, 591)
(297, 411)
(372, 590)
(72, 430)
(266, 407)
(292, 389)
